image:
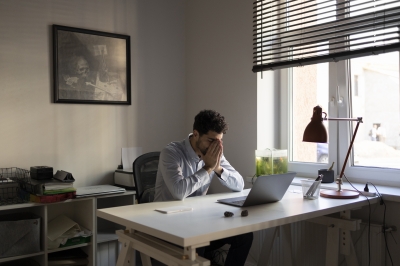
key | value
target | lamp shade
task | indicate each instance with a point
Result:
(315, 130)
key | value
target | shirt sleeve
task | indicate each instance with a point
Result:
(180, 186)
(230, 177)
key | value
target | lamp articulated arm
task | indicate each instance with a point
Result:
(359, 120)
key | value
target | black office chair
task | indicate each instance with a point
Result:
(144, 173)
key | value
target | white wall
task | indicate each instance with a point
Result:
(219, 76)
(186, 56)
(84, 139)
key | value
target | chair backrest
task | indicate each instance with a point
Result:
(144, 173)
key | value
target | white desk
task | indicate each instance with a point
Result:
(207, 222)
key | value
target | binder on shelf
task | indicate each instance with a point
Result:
(64, 176)
(50, 186)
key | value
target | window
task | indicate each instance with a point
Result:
(295, 44)
(376, 151)
(378, 142)
(309, 87)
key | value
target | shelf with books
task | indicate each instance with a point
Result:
(103, 242)
(80, 210)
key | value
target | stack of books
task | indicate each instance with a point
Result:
(46, 190)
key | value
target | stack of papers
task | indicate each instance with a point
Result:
(63, 228)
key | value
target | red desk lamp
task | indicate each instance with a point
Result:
(316, 132)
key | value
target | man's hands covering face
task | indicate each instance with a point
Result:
(212, 159)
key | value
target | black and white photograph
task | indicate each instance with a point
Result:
(91, 66)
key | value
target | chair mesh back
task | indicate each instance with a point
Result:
(145, 173)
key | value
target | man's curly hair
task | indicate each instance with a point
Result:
(208, 120)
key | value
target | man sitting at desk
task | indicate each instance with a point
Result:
(187, 167)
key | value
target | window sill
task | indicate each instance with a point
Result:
(388, 193)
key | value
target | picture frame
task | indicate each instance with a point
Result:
(91, 67)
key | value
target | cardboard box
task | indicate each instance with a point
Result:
(19, 234)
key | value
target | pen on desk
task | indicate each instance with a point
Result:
(319, 177)
(330, 168)
(314, 186)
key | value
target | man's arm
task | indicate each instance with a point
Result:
(226, 174)
(180, 186)
(229, 176)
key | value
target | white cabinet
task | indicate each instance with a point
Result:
(107, 241)
(83, 212)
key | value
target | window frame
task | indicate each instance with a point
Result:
(339, 106)
(339, 131)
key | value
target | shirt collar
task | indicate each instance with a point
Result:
(192, 154)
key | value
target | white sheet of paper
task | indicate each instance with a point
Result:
(175, 209)
(129, 155)
(59, 225)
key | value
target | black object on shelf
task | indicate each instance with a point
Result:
(41, 172)
(74, 256)
(75, 253)
(64, 176)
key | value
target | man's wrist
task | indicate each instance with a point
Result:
(219, 172)
(208, 169)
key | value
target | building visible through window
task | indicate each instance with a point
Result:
(355, 85)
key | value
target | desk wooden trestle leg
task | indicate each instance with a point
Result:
(158, 249)
(339, 238)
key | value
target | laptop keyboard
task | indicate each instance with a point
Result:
(238, 202)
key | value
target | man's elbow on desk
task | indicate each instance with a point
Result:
(179, 197)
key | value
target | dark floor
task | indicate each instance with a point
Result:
(157, 263)
(153, 261)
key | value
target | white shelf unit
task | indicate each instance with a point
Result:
(82, 211)
(107, 241)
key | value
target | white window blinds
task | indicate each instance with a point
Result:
(290, 33)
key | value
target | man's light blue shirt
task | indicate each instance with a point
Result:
(180, 173)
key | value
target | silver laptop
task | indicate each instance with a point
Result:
(98, 190)
(268, 188)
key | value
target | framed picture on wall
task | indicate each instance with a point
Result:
(91, 66)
